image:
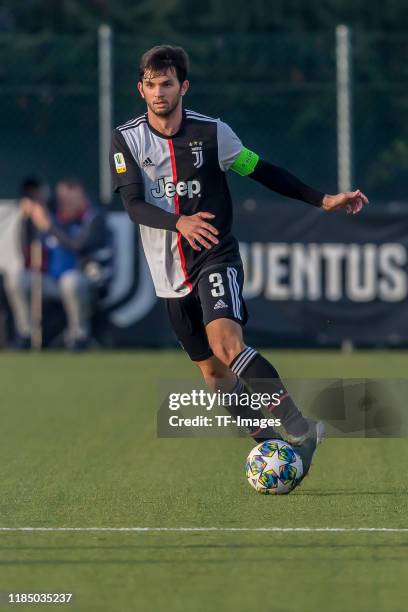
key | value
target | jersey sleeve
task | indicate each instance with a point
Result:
(229, 145)
(123, 166)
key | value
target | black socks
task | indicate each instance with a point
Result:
(259, 434)
(261, 377)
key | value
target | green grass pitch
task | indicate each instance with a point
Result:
(79, 449)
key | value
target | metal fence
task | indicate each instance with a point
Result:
(279, 93)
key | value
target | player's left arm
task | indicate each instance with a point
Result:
(248, 163)
(233, 155)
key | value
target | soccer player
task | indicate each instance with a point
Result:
(169, 166)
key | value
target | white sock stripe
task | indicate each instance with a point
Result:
(241, 358)
(235, 275)
(231, 288)
(247, 361)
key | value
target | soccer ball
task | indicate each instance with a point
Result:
(274, 467)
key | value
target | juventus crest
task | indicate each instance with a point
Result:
(197, 151)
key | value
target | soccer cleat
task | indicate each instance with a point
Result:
(307, 444)
(269, 433)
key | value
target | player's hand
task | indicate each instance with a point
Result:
(197, 231)
(352, 201)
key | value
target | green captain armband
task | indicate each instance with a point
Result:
(245, 162)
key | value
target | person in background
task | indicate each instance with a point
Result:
(32, 189)
(26, 241)
(71, 235)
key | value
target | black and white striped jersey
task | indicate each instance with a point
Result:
(182, 174)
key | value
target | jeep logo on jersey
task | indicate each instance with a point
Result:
(197, 151)
(166, 187)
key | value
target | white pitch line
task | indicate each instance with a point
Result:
(209, 529)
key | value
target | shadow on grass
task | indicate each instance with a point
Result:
(188, 561)
(349, 493)
(231, 546)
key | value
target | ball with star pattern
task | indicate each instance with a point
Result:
(274, 467)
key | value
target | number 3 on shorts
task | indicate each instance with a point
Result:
(215, 280)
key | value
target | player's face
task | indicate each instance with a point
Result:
(162, 92)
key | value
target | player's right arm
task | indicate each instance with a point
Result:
(128, 181)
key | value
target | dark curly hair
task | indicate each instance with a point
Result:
(158, 59)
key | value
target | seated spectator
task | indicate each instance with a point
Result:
(36, 189)
(72, 238)
(19, 241)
